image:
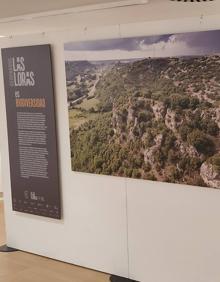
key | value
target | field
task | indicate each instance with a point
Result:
(77, 118)
(88, 104)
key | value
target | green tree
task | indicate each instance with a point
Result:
(201, 142)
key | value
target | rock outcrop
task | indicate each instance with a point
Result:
(210, 176)
(159, 110)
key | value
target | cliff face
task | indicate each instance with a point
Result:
(209, 175)
(163, 121)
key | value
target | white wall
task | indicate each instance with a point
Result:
(144, 230)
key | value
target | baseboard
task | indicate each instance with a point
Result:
(115, 278)
(6, 249)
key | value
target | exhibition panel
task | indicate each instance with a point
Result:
(116, 117)
(31, 130)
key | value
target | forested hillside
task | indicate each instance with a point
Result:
(155, 119)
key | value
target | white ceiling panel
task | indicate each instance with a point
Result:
(31, 16)
(14, 8)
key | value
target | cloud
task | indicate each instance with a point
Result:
(186, 44)
(183, 44)
(127, 44)
(106, 55)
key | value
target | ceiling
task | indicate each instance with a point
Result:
(15, 18)
(14, 8)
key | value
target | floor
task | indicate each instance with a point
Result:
(24, 267)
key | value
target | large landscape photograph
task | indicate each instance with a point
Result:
(146, 107)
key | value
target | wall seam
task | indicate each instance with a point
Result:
(127, 227)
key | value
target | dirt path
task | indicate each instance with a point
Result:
(93, 89)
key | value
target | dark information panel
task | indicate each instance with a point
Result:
(29, 96)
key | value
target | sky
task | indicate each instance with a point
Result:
(170, 45)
